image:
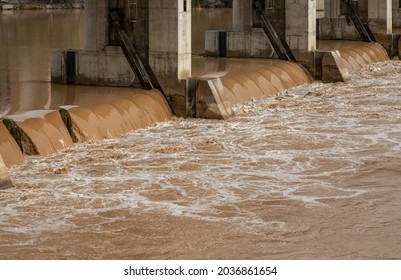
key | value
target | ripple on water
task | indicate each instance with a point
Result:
(277, 156)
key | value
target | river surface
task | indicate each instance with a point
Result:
(313, 173)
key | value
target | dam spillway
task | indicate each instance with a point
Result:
(247, 79)
(44, 132)
(80, 119)
(48, 131)
(242, 79)
(355, 54)
(305, 167)
(309, 174)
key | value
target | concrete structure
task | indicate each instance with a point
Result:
(396, 14)
(295, 22)
(160, 31)
(378, 14)
(245, 40)
(300, 23)
(170, 48)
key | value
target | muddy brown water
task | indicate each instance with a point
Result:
(311, 173)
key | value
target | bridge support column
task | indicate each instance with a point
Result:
(380, 16)
(242, 16)
(300, 26)
(96, 25)
(334, 24)
(397, 15)
(159, 30)
(170, 48)
(300, 31)
(377, 13)
(397, 25)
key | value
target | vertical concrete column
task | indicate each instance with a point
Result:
(96, 24)
(137, 23)
(380, 16)
(397, 14)
(300, 25)
(332, 8)
(242, 15)
(320, 8)
(170, 46)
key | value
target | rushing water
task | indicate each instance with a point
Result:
(313, 173)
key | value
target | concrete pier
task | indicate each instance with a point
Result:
(160, 33)
(170, 48)
(159, 30)
(379, 15)
(301, 23)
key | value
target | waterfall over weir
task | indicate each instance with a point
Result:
(246, 79)
(43, 132)
(355, 55)
(92, 118)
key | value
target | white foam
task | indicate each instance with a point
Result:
(275, 148)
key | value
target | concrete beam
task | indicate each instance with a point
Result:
(170, 47)
(96, 25)
(380, 16)
(300, 24)
(320, 8)
(332, 8)
(397, 15)
(242, 15)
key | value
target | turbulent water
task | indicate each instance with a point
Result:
(313, 173)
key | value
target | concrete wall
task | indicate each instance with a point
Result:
(96, 25)
(294, 21)
(242, 15)
(107, 68)
(238, 44)
(396, 14)
(301, 24)
(170, 47)
(320, 8)
(380, 16)
(160, 31)
(335, 25)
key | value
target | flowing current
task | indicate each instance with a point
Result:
(314, 173)
(311, 173)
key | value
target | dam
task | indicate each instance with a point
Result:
(124, 47)
(286, 169)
